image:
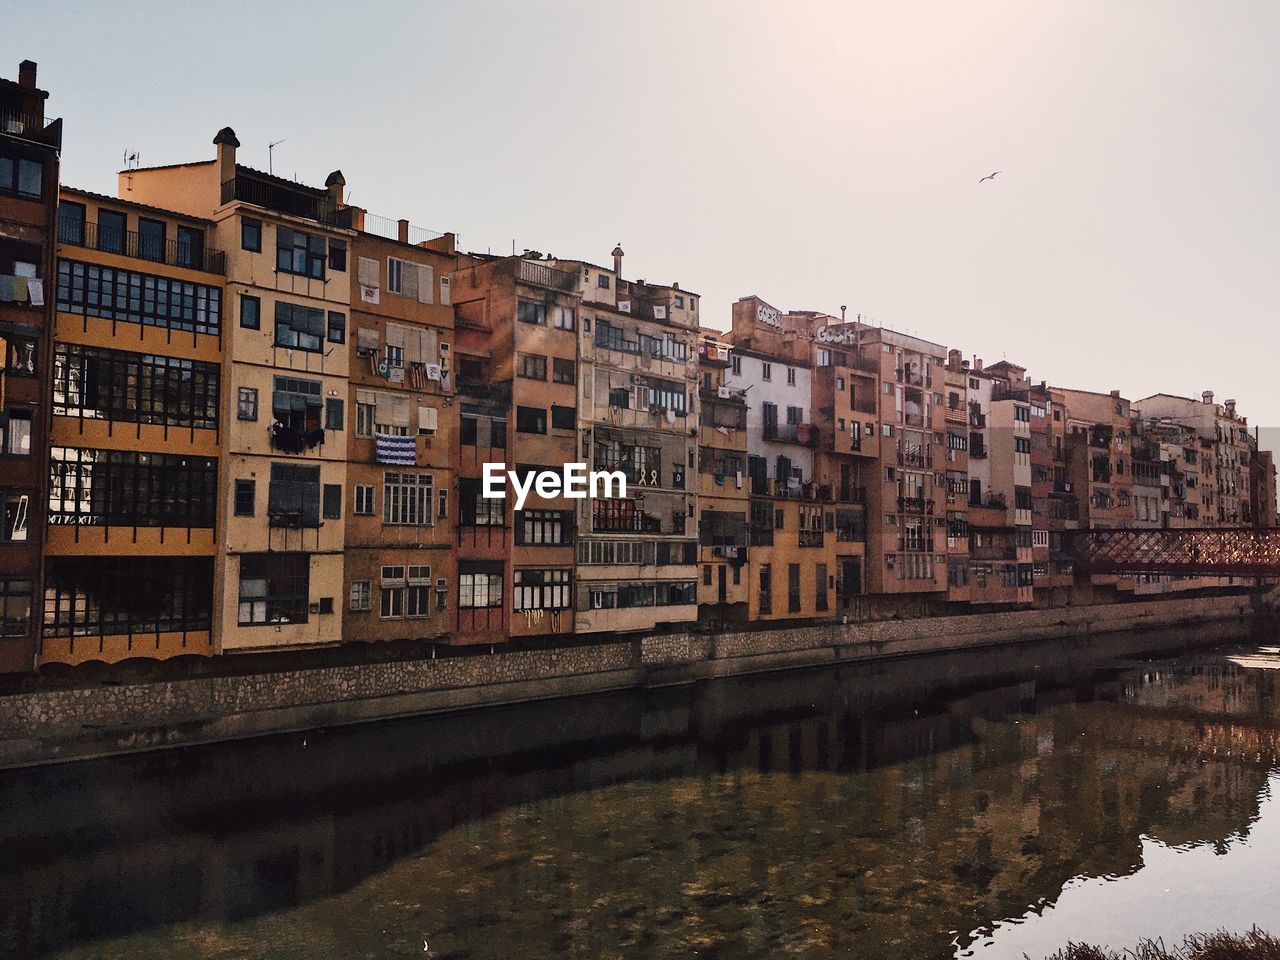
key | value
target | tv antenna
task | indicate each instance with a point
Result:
(131, 158)
(271, 147)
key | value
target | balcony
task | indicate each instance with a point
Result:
(865, 364)
(914, 504)
(805, 434)
(956, 415)
(811, 538)
(909, 458)
(913, 419)
(1003, 391)
(864, 406)
(172, 252)
(29, 126)
(294, 201)
(544, 275)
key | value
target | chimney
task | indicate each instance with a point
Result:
(977, 364)
(617, 261)
(334, 184)
(1231, 407)
(1207, 396)
(953, 359)
(1115, 394)
(226, 143)
(27, 74)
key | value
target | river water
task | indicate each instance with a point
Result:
(911, 809)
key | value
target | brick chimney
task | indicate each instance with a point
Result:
(226, 143)
(27, 74)
(334, 184)
(617, 261)
(1207, 396)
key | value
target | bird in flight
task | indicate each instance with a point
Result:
(990, 176)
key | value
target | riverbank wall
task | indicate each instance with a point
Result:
(57, 725)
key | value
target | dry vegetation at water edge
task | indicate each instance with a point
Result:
(1254, 945)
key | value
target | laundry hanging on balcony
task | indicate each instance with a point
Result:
(396, 450)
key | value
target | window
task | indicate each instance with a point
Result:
(602, 282)
(1021, 444)
(300, 253)
(364, 418)
(563, 318)
(766, 370)
(791, 376)
(820, 582)
(735, 364)
(338, 255)
(419, 604)
(299, 327)
(15, 433)
(333, 413)
(337, 327)
(563, 418)
(766, 588)
(111, 231)
(563, 371)
(406, 499)
(537, 528)
(15, 608)
(251, 235)
(475, 509)
(531, 420)
(17, 510)
(126, 488)
(250, 312)
(22, 177)
(245, 495)
(273, 588)
(124, 595)
(529, 312)
(295, 405)
(793, 588)
(360, 593)
(479, 590)
(294, 496)
(113, 294)
(531, 366)
(363, 499)
(19, 359)
(332, 505)
(71, 217)
(395, 275)
(109, 384)
(392, 590)
(151, 239)
(247, 403)
(541, 590)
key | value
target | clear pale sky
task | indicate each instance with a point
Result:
(816, 154)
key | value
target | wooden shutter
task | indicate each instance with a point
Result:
(426, 283)
(409, 280)
(368, 272)
(446, 290)
(427, 418)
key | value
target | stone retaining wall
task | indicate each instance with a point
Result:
(57, 724)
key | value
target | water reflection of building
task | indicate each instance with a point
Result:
(889, 819)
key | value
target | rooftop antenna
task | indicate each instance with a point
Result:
(131, 158)
(270, 149)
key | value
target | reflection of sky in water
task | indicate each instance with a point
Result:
(1233, 885)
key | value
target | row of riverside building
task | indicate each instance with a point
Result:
(238, 414)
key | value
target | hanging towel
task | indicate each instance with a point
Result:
(35, 289)
(6, 288)
(20, 289)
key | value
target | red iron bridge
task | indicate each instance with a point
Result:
(1203, 551)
